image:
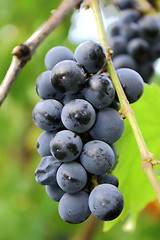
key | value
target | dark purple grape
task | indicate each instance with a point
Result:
(124, 61)
(138, 48)
(118, 44)
(91, 56)
(108, 178)
(54, 192)
(57, 54)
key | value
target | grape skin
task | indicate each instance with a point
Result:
(106, 202)
(78, 115)
(99, 91)
(73, 208)
(91, 56)
(54, 192)
(43, 143)
(124, 61)
(47, 114)
(132, 83)
(66, 146)
(118, 44)
(44, 87)
(45, 173)
(67, 77)
(57, 54)
(113, 128)
(108, 178)
(97, 157)
(138, 48)
(71, 177)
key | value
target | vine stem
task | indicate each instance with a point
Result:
(126, 111)
(23, 53)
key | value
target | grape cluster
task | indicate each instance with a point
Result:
(135, 39)
(78, 114)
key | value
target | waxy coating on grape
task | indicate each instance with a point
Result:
(43, 143)
(97, 157)
(45, 173)
(108, 178)
(57, 54)
(71, 177)
(78, 115)
(106, 202)
(91, 56)
(73, 208)
(54, 192)
(99, 91)
(124, 60)
(44, 88)
(66, 146)
(132, 83)
(47, 114)
(108, 126)
(67, 77)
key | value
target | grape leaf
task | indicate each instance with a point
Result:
(134, 184)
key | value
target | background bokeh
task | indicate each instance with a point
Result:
(25, 210)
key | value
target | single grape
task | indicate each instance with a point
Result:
(125, 4)
(57, 54)
(45, 173)
(97, 157)
(73, 208)
(149, 28)
(109, 178)
(132, 83)
(78, 115)
(99, 91)
(43, 143)
(130, 30)
(67, 77)
(47, 114)
(106, 202)
(44, 87)
(129, 15)
(124, 60)
(66, 146)
(118, 44)
(54, 192)
(91, 56)
(71, 177)
(155, 50)
(108, 126)
(138, 48)
(114, 29)
(145, 69)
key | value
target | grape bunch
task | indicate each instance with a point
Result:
(135, 39)
(79, 116)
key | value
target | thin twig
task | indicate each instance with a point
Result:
(23, 53)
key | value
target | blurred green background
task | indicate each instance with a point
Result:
(25, 210)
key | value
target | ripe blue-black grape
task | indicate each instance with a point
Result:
(91, 56)
(149, 28)
(47, 114)
(68, 97)
(118, 44)
(145, 69)
(54, 192)
(108, 126)
(78, 115)
(138, 48)
(108, 178)
(124, 60)
(129, 15)
(106, 202)
(44, 87)
(132, 83)
(97, 157)
(57, 54)
(125, 4)
(71, 177)
(130, 30)
(114, 29)
(45, 173)
(73, 208)
(43, 143)
(66, 146)
(99, 91)
(67, 77)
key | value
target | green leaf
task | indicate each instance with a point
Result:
(134, 184)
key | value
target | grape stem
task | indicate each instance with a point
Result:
(126, 111)
(23, 53)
